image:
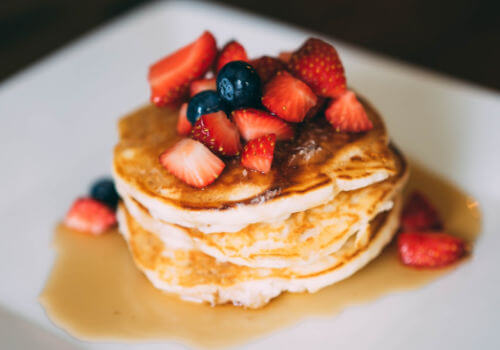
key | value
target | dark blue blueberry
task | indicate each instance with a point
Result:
(238, 85)
(104, 191)
(202, 103)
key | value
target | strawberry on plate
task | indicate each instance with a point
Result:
(429, 249)
(288, 97)
(192, 162)
(232, 51)
(170, 77)
(253, 123)
(346, 114)
(267, 67)
(183, 125)
(419, 214)
(258, 153)
(200, 85)
(91, 216)
(318, 64)
(218, 133)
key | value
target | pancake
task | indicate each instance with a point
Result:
(198, 277)
(307, 172)
(302, 239)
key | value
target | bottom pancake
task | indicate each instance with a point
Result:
(198, 277)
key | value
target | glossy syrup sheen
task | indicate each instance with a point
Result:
(95, 292)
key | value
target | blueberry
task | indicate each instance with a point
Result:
(203, 103)
(238, 85)
(104, 191)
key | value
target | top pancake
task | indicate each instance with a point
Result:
(306, 172)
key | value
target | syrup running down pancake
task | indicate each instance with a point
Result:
(308, 171)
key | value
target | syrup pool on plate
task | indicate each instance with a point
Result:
(96, 293)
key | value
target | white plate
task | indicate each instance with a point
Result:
(58, 128)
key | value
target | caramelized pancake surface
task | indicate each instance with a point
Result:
(300, 239)
(311, 170)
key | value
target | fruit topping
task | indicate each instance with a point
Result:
(288, 97)
(253, 123)
(104, 191)
(232, 51)
(429, 249)
(91, 216)
(170, 77)
(346, 114)
(238, 85)
(285, 56)
(317, 109)
(183, 125)
(258, 153)
(203, 103)
(267, 67)
(200, 85)
(318, 64)
(419, 214)
(218, 133)
(192, 162)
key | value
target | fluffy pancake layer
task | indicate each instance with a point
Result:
(199, 277)
(299, 240)
(307, 172)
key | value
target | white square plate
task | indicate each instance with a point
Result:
(58, 129)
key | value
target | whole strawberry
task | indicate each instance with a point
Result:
(317, 63)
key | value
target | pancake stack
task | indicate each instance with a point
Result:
(329, 205)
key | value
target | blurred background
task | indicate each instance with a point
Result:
(457, 37)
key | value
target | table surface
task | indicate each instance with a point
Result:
(457, 37)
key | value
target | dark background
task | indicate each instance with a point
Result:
(457, 37)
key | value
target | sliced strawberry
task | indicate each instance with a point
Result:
(170, 77)
(285, 56)
(232, 51)
(318, 64)
(192, 162)
(218, 133)
(253, 123)
(419, 214)
(429, 249)
(267, 67)
(91, 216)
(288, 97)
(318, 108)
(201, 85)
(258, 153)
(346, 114)
(183, 125)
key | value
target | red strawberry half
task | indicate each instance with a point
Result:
(318, 64)
(419, 214)
(267, 67)
(258, 153)
(218, 133)
(232, 51)
(170, 77)
(429, 249)
(253, 123)
(183, 125)
(288, 97)
(200, 85)
(90, 215)
(192, 162)
(346, 114)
